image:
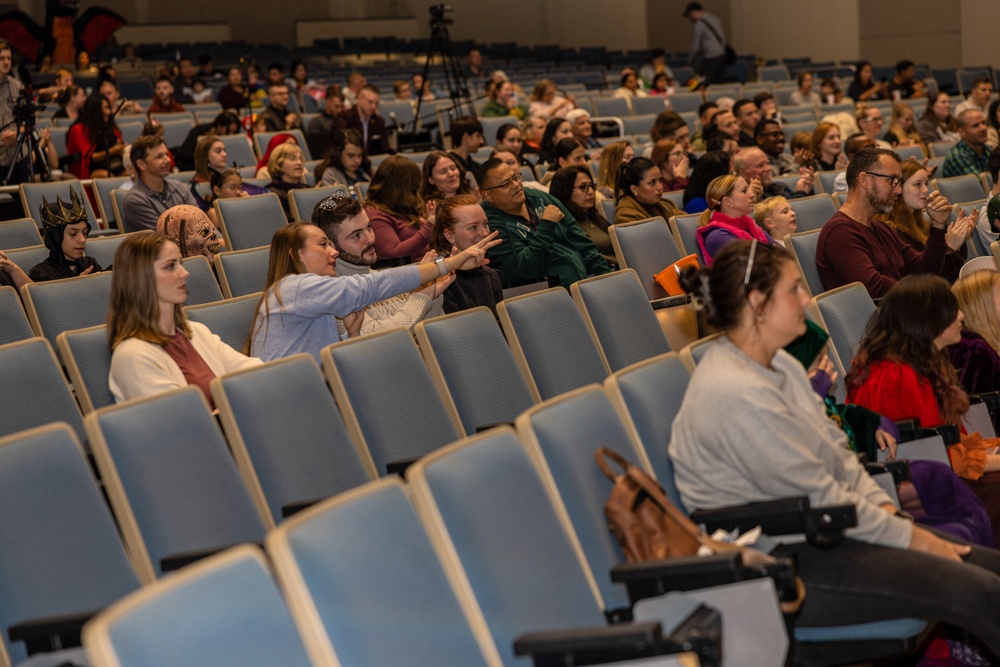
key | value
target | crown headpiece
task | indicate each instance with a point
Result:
(59, 214)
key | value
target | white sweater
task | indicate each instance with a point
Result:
(746, 433)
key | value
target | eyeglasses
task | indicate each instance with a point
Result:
(877, 119)
(584, 187)
(892, 180)
(777, 133)
(516, 178)
(334, 200)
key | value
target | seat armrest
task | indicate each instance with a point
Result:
(53, 633)
(822, 526)
(670, 301)
(907, 429)
(900, 470)
(950, 433)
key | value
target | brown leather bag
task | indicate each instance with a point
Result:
(648, 526)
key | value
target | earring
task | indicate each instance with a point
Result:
(760, 319)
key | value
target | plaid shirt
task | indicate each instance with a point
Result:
(10, 89)
(962, 159)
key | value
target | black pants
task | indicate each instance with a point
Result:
(857, 582)
(714, 70)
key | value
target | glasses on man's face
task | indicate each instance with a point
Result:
(516, 178)
(584, 187)
(892, 180)
(777, 134)
(334, 200)
(873, 119)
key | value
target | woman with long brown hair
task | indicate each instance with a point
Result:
(442, 177)
(395, 211)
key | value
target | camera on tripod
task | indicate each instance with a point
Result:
(437, 13)
(25, 108)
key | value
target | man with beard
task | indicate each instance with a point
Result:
(350, 231)
(852, 247)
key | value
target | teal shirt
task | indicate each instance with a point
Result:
(561, 248)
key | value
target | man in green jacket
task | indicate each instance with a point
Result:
(540, 237)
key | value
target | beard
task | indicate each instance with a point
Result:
(880, 204)
(358, 260)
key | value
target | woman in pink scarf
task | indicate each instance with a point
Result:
(727, 217)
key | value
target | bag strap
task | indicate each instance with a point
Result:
(604, 453)
(714, 31)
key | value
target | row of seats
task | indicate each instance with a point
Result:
(490, 496)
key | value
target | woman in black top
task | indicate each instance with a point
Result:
(460, 223)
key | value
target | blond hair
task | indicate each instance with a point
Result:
(278, 157)
(766, 208)
(719, 188)
(975, 299)
(611, 159)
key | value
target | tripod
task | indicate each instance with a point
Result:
(24, 116)
(458, 88)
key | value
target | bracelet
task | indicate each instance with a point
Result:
(441, 266)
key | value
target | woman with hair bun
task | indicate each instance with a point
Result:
(751, 429)
(639, 192)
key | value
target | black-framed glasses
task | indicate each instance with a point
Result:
(776, 133)
(334, 200)
(516, 178)
(892, 180)
(584, 187)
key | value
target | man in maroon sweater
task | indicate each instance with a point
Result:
(854, 248)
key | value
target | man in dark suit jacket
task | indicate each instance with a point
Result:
(364, 118)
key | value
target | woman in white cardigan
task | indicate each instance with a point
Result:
(154, 347)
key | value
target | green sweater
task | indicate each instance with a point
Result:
(553, 248)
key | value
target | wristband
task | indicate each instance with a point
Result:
(441, 266)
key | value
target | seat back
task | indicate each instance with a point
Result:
(812, 212)
(33, 389)
(60, 553)
(288, 438)
(550, 342)
(647, 397)
(484, 501)
(61, 305)
(243, 272)
(826, 179)
(361, 563)
(648, 247)
(239, 151)
(228, 609)
(170, 478)
(966, 187)
(473, 368)
(802, 246)
(250, 222)
(202, 287)
(19, 233)
(103, 248)
(229, 319)
(175, 131)
(14, 324)
(617, 313)
(562, 435)
(686, 227)
(88, 364)
(387, 397)
(939, 149)
(638, 125)
(117, 199)
(262, 139)
(26, 258)
(611, 106)
(652, 104)
(844, 312)
(33, 193)
(302, 202)
(102, 188)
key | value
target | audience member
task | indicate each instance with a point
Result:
(784, 445)
(304, 297)
(278, 117)
(503, 102)
(971, 154)
(831, 93)
(396, 211)
(613, 155)
(639, 192)
(299, 83)
(319, 132)
(631, 87)
(350, 231)
(902, 130)
(988, 225)
(234, 95)
(776, 216)
(94, 143)
(656, 64)
(70, 101)
(574, 187)
(582, 129)
(672, 160)
(228, 184)
(902, 85)
(363, 116)
(209, 155)
(474, 64)
(153, 192)
(755, 167)
(442, 177)
(163, 98)
(979, 97)
(346, 164)
(804, 95)
(556, 130)
(183, 83)
(907, 218)
(826, 147)
(767, 105)
(11, 274)
(864, 87)
(568, 153)
(870, 123)
(466, 138)
(727, 217)
(993, 124)
(355, 82)
(770, 139)
(224, 124)
(509, 136)
(461, 222)
(937, 123)
(263, 170)
(712, 165)
(532, 134)
(540, 237)
(975, 356)
(747, 116)
(287, 167)
(706, 112)
(65, 230)
(855, 247)
(547, 104)
(154, 348)
(192, 230)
